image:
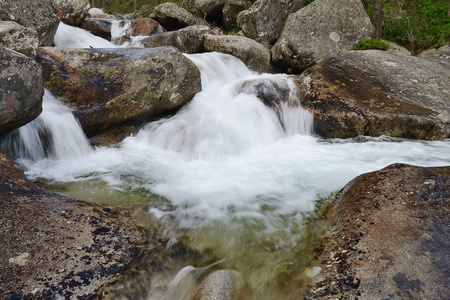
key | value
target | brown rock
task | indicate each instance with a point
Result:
(144, 27)
(378, 93)
(53, 246)
(390, 238)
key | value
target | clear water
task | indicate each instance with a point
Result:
(226, 177)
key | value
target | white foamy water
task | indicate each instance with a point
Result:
(54, 135)
(225, 155)
(235, 178)
(72, 37)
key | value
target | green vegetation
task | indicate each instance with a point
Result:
(415, 24)
(371, 44)
(127, 6)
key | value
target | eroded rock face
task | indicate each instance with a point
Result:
(114, 87)
(41, 15)
(173, 17)
(210, 10)
(73, 12)
(252, 53)
(322, 29)
(390, 238)
(187, 40)
(265, 19)
(21, 90)
(231, 10)
(18, 38)
(378, 93)
(53, 246)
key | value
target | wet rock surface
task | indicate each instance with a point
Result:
(21, 90)
(187, 40)
(73, 12)
(390, 237)
(53, 246)
(119, 87)
(378, 93)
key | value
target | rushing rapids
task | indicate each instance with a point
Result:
(227, 175)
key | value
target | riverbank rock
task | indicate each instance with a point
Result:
(173, 17)
(321, 30)
(18, 38)
(209, 10)
(73, 12)
(265, 19)
(377, 93)
(144, 27)
(98, 27)
(390, 238)
(21, 90)
(40, 15)
(55, 247)
(187, 40)
(441, 52)
(118, 87)
(252, 53)
(231, 9)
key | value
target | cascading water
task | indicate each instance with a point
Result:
(55, 134)
(232, 180)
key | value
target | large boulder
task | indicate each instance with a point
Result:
(377, 93)
(187, 40)
(99, 27)
(252, 53)
(73, 12)
(265, 19)
(54, 247)
(21, 90)
(18, 38)
(210, 10)
(231, 10)
(113, 87)
(41, 15)
(173, 17)
(441, 52)
(322, 29)
(390, 237)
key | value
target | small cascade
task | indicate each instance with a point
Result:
(55, 133)
(72, 37)
(212, 125)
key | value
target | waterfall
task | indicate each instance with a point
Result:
(55, 133)
(71, 37)
(226, 117)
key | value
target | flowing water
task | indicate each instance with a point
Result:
(224, 175)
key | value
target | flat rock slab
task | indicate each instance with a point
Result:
(390, 237)
(55, 246)
(378, 93)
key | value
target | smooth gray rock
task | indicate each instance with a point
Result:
(73, 12)
(21, 90)
(187, 40)
(390, 237)
(322, 29)
(41, 15)
(441, 52)
(375, 93)
(231, 10)
(99, 27)
(18, 38)
(252, 53)
(119, 87)
(173, 17)
(265, 19)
